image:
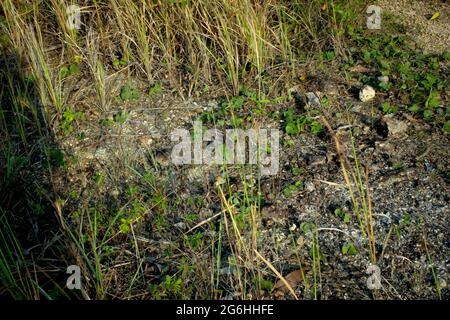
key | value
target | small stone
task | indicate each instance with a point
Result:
(309, 186)
(366, 93)
(180, 225)
(395, 126)
(146, 140)
(316, 160)
(383, 79)
(357, 108)
(313, 100)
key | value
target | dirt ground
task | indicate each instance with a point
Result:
(431, 35)
(407, 159)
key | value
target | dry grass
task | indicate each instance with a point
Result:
(188, 44)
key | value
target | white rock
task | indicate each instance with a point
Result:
(366, 93)
(309, 186)
(180, 225)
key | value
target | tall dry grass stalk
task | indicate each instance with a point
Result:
(359, 190)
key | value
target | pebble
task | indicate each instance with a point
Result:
(162, 159)
(313, 100)
(383, 79)
(366, 93)
(316, 160)
(395, 126)
(180, 225)
(309, 186)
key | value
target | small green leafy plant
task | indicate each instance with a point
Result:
(155, 89)
(342, 214)
(416, 80)
(388, 108)
(69, 117)
(349, 248)
(292, 188)
(120, 117)
(328, 55)
(129, 93)
(119, 63)
(67, 71)
(295, 124)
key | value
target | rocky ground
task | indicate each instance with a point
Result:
(407, 160)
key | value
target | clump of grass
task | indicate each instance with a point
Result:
(97, 69)
(16, 277)
(49, 81)
(437, 281)
(244, 43)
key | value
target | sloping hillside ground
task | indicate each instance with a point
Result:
(359, 183)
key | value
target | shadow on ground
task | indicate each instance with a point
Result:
(33, 255)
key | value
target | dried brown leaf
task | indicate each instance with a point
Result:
(358, 69)
(293, 278)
